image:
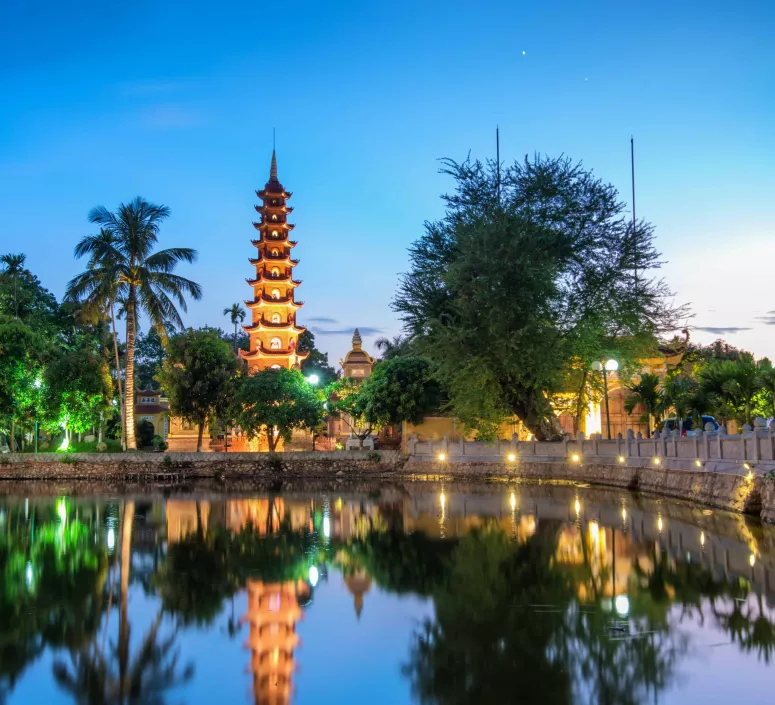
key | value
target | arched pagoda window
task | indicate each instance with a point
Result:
(275, 252)
(274, 217)
(275, 367)
(275, 293)
(276, 344)
(275, 272)
(275, 318)
(275, 234)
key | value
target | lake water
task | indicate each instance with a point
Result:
(391, 594)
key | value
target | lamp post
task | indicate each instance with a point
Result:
(605, 368)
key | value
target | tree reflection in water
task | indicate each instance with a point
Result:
(520, 616)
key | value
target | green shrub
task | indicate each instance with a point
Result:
(145, 434)
(373, 456)
(158, 443)
(167, 461)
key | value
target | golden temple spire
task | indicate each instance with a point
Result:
(357, 342)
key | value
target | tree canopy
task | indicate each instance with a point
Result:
(525, 278)
(399, 389)
(274, 402)
(196, 377)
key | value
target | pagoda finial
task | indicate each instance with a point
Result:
(273, 168)
(357, 342)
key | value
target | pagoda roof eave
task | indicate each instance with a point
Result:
(265, 192)
(263, 303)
(257, 327)
(272, 280)
(278, 241)
(261, 352)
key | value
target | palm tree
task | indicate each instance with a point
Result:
(677, 395)
(646, 394)
(14, 265)
(392, 348)
(102, 304)
(237, 314)
(128, 269)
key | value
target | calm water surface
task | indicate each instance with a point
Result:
(397, 594)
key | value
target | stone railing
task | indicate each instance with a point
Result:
(711, 449)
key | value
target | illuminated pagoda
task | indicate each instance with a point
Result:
(274, 335)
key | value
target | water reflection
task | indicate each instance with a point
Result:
(557, 594)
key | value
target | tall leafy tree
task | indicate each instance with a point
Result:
(149, 356)
(400, 389)
(13, 265)
(128, 269)
(274, 402)
(196, 376)
(236, 314)
(525, 276)
(393, 347)
(22, 353)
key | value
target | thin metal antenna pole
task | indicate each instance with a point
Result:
(498, 159)
(634, 237)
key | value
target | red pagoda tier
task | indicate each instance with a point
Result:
(274, 335)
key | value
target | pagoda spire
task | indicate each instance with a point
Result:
(273, 167)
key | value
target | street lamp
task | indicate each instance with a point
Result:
(605, 368)
(313, 379)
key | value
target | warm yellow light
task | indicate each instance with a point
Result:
(657, 461)
(659, 524)
(621, 458)
(442, 457)
(624, 514)
(577, 506)
(512, 457)
(749, 476)
(746, 466)
(698, 463)
(442, 499)
(752, 560)
(575, 457)
(702, 538)
(594, 530)
(513, 501)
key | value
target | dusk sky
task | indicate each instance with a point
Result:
(176, 102)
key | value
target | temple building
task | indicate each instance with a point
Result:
(273, 332)
(357, 363)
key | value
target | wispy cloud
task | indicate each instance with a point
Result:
(347, 331)
(167, 116)
(729, 330)
(768, 319)
(322, 319)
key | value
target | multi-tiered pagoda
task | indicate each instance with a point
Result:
(274, 335)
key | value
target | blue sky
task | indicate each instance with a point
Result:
(177, 101)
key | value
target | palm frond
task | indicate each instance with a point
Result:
(167, 260)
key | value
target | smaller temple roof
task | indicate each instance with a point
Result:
(357, 354)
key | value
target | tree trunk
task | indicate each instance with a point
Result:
(235, 337)
(199, 437)
(122, 410)
(13, 434)
(537, 414)
(123, 621)
(131, 322)
(271, 439)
